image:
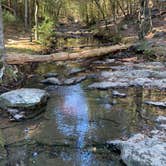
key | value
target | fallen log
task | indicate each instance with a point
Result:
(63, 56)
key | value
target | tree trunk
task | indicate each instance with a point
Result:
(26, 14)
(145, 21)
(15, 8)
(36, 19)
(30, 21)
(102, 12)
(2, 47)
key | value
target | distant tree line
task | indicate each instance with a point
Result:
(33, 12)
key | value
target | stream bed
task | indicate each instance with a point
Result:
(78, 121)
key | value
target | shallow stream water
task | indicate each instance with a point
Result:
(76, 123)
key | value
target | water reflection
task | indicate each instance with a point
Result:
(73, 119)
(76, 42)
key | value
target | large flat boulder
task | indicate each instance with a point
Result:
(143, 150)
(23, 98)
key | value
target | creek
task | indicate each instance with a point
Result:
(77, 121)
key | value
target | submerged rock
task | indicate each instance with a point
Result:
(156, 103)
(23, 98)
(51, 81)
(107, 106)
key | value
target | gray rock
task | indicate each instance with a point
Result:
(74, 80)
(12, 111)
(141, 82)
(18, 117)
(160, 84)
(69, 81)
(23, 98)
(161, 119)
(156, 103)
(161, 122)
(80, 79)
(159, 74)
(118, 94)
(76, 70)
(110, 60)
(48, 75)
(142, 150)
(106, 85)
(162, 126)
(127, 74)
(99, 62)
(150, 65)
(51, 81)
(107, 106)
(149, 75)
(121, 67)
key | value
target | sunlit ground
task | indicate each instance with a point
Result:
(18, 41)
(22, 45)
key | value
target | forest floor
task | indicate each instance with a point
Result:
(18, 41)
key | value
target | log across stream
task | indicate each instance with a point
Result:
(63, 56)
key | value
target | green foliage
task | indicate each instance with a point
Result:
(8, 18)
(142, 46)
(116, 38)
(46, 32)
(11, 74)
(149, 52)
